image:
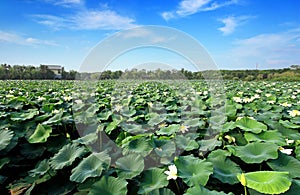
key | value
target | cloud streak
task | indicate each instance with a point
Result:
(231, 23)
(87, 20)
(7, 37)
(268, 50)
(190, 7)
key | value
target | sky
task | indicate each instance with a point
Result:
(237, 34)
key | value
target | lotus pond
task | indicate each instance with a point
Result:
(149, 137)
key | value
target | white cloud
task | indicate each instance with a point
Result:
(189, 7)
(231, 22)
(88, 20)
(20, 40)
(65, 3)
(268, 50)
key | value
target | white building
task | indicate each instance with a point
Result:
(57, 69)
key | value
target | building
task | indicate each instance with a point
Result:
(57, 69)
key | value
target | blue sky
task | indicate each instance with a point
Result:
(238, 34)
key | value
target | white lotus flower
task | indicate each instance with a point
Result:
(41, 98)
(271, 101)
(247, 100)
(68, 98)
(183, 128)
(286, 151)
(118, 107)
(268, 95)
(55, 111)
(78, 101)
(294, 113)
(237, 99)
(289, 141)
(285, 104)
(172, 173)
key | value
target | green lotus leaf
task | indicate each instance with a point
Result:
(289, 125)
(266, 136)
(90, 166)
(130, 166)
(152, 179)
(66, 156)
(5, 138)
(203, 191)
(224, 169)
(209, 145)
(41, 134)
(54, 120)
(112, 126)
(186, 143)
(195, 122)
(268, 182)
(41, 168)
(168, 130)
(164, 148)
(128, 112)
(31, 151)
(161, 191)
(132, 128)
(4, 161)
(139, 145)
(155, 119)
(297, 151)
(230, 110)
(109, 186)
(294, 189)
(193, 171)
(248, 124)
(104, 115)
(256, 152)
(228, 126)
(87, 139)
(25, 115)
(287, 164)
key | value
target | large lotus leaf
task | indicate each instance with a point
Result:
(228, 126)
(287, 164)
(5, 138)
(203, 191)
(133, 128)
(112, 125)
(24, 115)
(193, 171)
(230, 110)
(257, 152)
(155, 119)
(266, 136)
(41, 168)
(195, 122)
(294, 189)
(104, 115)
(54, 120)
(186, 143)
(162, 191)
(109, 186)
(168, 130)
(209, 145)
(130, 166)
(289, 125)
(41, 134)
(152, 179)
(90, 166)
(128, 112)
(248, 124)
(87, 139)
(139, 145)
(224, 169)
(297, 151)
(268, 182)
(4, 161)
(66, 156)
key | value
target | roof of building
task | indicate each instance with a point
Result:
(54, 67)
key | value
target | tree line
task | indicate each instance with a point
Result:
(42, 72)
